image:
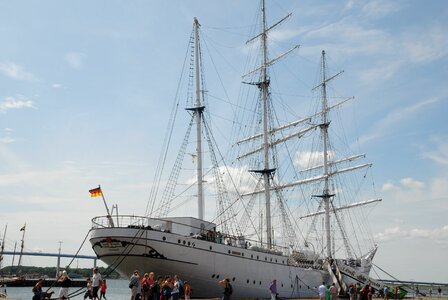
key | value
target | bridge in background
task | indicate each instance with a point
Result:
(58, 255)
(51, 255)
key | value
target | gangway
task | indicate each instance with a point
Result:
(363, 279)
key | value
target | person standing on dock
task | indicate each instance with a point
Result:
(351, 291)
(135, 285)
(96, 281)
(333, 291)
(175, 291)
(228, 290)
(103, 288)
(167, 286)
(88, 293)
(146, 290)
(273, 289)
(157, 287)
(386, 292)
(322, 291)
(65, 285)
(187, 290)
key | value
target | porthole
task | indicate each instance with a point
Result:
(291, 285)
(217, 276)
(179, 241)
(189, 243)
(275, 260)
(184, 242)
(164, 238)
(210, 247)
(271, 258)
(282, 284)
(233, 279)
(260, 282)
(229, 252)
(248, 281)
(251, 256)
(242, 254)
(213, 276)
(254, 281)
(265, 258)
(257, 257)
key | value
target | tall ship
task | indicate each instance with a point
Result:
(289, 199)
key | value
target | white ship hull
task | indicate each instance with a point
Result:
(203, 263)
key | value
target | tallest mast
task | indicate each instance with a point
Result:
(324, 127)
(264, 85)
(198, 109)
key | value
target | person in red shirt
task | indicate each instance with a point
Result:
(103, 288)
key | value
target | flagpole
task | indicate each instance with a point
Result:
(109, 217)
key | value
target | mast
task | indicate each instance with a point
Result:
(13, 258)
(264, 98)
(198, 111)
(263, 85)
(3, 246)
(324, 128)
(22, 244)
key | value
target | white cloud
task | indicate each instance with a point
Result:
(431, 45)
(412, 183)
(390, 233)
(389, 186)
(440, 155)
(349, 5)
(17, 102)
(439, 188)
(56, 85)
(395, 117)
(408, 190)
(308, 159)
(74, 59)
(15, 71)
(284, 34)
(439, 235)
(7, 140)
(379, 8)
(382, 70)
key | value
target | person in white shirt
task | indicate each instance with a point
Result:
(322, 291)
(96, 281)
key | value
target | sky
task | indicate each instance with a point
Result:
(86, 89)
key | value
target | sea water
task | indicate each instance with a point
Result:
(116, 290)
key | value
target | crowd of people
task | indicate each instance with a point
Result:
(150, 287)
(95, 287)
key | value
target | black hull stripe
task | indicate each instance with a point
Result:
(145, 256)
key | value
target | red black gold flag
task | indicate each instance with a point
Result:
(96, 192)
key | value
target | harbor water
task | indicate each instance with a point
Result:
(116, 290)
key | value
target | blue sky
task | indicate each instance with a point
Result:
(86, 90)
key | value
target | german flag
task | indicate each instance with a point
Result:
(96, 192)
